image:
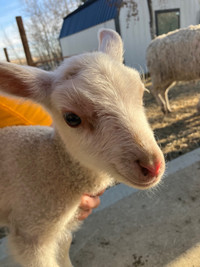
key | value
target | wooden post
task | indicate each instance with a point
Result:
(24, 41)
(6, 54)
(151, 19)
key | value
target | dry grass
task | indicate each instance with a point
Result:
(178, 132)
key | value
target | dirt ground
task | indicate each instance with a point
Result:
(178, 132)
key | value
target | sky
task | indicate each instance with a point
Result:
(9, 9)
(9, 34)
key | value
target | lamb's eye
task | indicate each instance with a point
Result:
(72, 119)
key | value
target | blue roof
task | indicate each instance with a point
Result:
(92, 13)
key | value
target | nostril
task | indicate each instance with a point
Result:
(151, 170)
(145, 171)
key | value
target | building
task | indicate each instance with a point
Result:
(79, 29)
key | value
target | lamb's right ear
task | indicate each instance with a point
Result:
(22, 81)
(110, 43)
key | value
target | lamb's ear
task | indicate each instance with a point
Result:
(28, 82)
(110, 43)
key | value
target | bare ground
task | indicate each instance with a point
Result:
(178, 132)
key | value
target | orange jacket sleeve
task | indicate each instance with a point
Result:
(19, 112)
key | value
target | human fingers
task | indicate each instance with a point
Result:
(84, 214)
(89, 202)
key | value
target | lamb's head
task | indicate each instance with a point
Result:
(97, 107)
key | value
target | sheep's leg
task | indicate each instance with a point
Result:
(30, 253)
(161, 96)
(64, 247)
(165, 106)
(166, 96)
(160, 100)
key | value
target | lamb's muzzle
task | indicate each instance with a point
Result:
(148, 175)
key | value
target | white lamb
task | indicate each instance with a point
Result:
(173, 57)
(101, 135)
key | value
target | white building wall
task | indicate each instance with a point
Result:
(189, 10)
(137, 37)
(84, 41)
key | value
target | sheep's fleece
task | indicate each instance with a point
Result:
(173, 57)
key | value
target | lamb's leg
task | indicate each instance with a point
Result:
(64, 247)
(31, 252)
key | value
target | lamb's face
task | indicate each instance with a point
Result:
(98, 111)
(96, 103)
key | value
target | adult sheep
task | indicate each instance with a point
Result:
(173, 57)
(101, 135)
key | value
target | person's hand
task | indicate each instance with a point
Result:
(88, 203)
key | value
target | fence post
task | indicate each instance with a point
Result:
(24, 41)
(6, 54)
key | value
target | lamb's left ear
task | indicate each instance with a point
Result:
(28, 82)
(110, 43)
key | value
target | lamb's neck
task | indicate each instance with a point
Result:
(84, 180)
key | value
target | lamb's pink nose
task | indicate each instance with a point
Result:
(150, 170)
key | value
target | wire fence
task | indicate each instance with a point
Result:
(19, 58)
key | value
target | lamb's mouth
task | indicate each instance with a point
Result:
(145, 181)
(139, 183)
(144, 185)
